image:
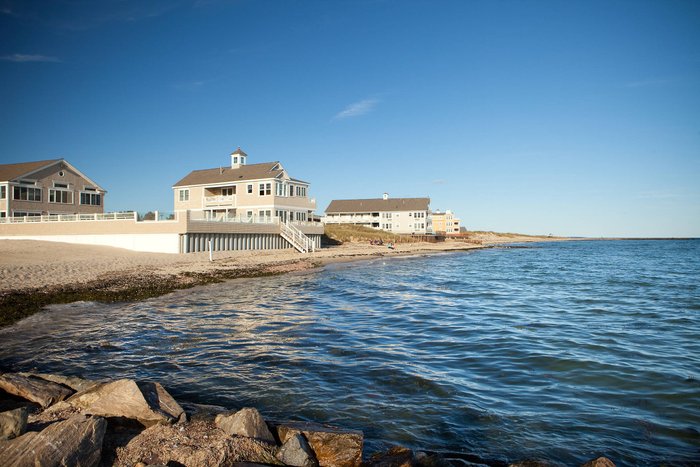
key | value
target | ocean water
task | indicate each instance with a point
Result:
(563, 351)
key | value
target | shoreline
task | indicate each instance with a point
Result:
(58, 273)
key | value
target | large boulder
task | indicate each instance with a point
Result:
(196, 443)
(32, 388)
(297, 452)
(147, 403)
(76, 441)
(13, 423)
(246, 422)
(599, 462)
(333, 447)
(397, 456)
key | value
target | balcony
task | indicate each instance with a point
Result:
(220, 200)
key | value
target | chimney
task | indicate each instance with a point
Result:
(386, 196)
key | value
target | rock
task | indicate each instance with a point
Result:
(44, 393)
(76, 442)
(198, 443)
(530, 463)
(73, 382)
(599, 462)
(147, 403)
(332, 446)
(297, 452)
(397, 456)
(246, 422)
(13, 423)
(203, 412)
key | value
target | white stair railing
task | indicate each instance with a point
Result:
(296, 237)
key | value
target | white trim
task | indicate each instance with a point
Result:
(228, 183)
(62, 190)
(96, 193)
(69, 165)
(275, 206)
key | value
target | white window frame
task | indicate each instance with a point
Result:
(33, 188)
(54, 191)
(92, 195)
(184, 194)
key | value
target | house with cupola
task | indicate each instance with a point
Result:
(257, 192)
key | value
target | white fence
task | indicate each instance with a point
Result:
(110, 216)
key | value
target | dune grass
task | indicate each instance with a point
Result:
(345, 233)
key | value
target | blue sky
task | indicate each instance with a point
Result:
(564, 117)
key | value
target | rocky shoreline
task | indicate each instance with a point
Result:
(18, 304)
(53, 420)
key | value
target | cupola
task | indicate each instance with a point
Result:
(238, 158)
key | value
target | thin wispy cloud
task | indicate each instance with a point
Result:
(356, 109)
(24, 58)
(439, 181)
(79, 15)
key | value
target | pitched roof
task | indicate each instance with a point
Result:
(12, 171)
(227, 174)
(378, 204)
(240, 152)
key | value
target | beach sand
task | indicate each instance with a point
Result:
(30, 264)
(34, 274)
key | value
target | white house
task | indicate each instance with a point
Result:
(396, 215)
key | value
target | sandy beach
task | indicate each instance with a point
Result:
(35, 273)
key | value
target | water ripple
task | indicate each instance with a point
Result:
(565, 351)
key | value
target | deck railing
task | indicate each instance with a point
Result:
(153, 216)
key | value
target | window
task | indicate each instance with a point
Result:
(3, 192)
(25, 193)
(184, 195)
(250, 213)
(90, 199)
(279, 189)
(235, 160)
(60, 185)
(228, 191)
(2, 215)
(25, 214)
(265, 189)
(301, 191)
(60, 196)
(250, 189)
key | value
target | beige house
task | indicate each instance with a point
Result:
(258, 192)
(445, 223)
(51, 187)
(396, 215)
